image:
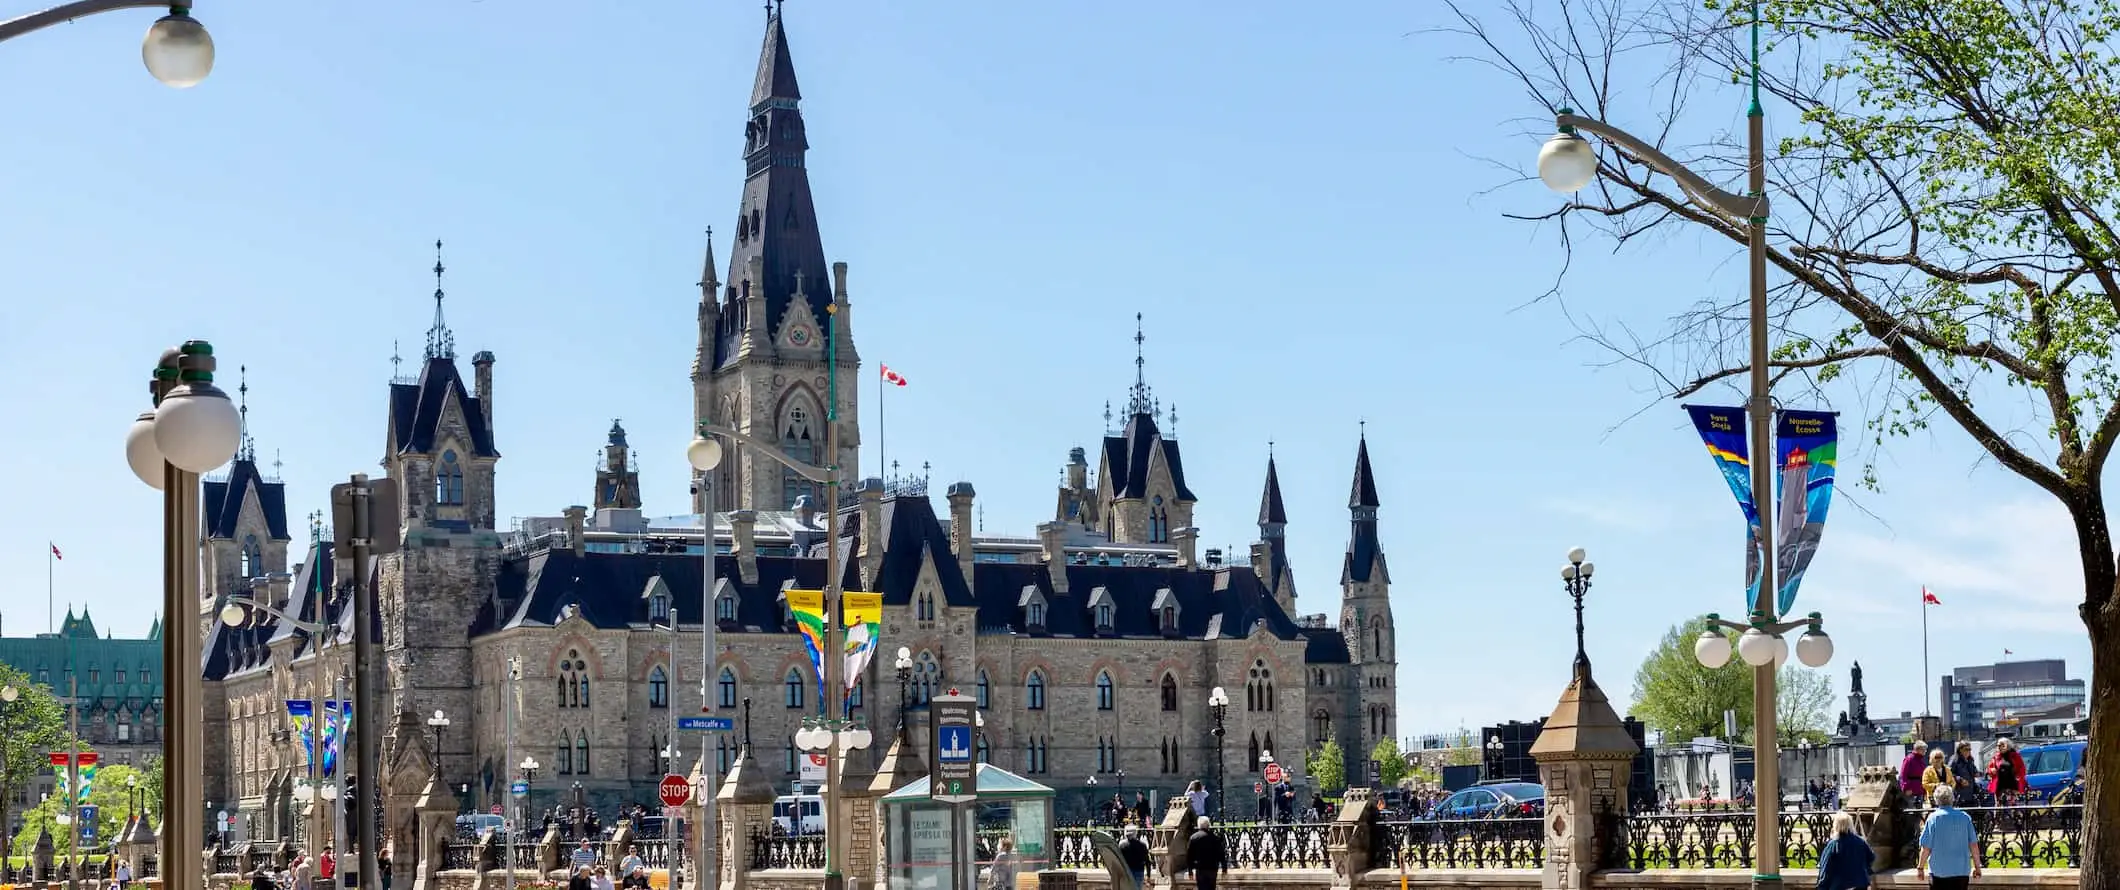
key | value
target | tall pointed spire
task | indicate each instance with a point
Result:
(246, 448)
(1364, 492)
(708, 282)
(440, 343)
(1138, 400)
(776, 225)
(1365, 553)
(1270, 510)
(776, 68)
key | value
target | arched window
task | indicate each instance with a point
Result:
(984, 691)
(573, 683)
(253, 559)
(1258, 688)
(727, 685)
(1158, 522)
(1323, 728)
(797, 441)
(1034, 692)
(1253, 760)
(565, 755)
(724, 754)
(1267, 751)
(449, 480)
(924, 606)
(658, 688)
(1104, 691)
(792, 688)
(1170, 693)
(927, 675)
(985, 754)
(581, 752)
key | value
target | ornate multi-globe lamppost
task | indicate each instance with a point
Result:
(192, 429)
(1218, 709)
(177, 49)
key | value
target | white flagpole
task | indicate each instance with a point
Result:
(1925, 651)
(882, 438)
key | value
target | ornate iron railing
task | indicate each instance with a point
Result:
(150, 866)
(460, 857)
(524, 858)
(1073, 848)
(2035, 836)
(227, 863)
(1277, 845)
(655, 852)
(787, 851)
(1464, 843)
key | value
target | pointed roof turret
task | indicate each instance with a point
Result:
(1270, 510)
(709, 281)
(776, 68)
(1365, 553)
(1364, 492)
(440, 343)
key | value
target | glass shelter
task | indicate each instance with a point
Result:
(1001, 840)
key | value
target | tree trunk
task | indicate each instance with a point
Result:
(2101, 763)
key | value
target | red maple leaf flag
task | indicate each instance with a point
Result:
(55, 550)
(892, 377)
(1929, 599)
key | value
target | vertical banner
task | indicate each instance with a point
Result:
(1723, 431)
(60, 762)
(863, 614)
(807, 606)
(1806, 448)
(87, 761)
(300, 714)
(338, 719)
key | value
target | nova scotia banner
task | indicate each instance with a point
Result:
(1723, 431)
(1806, 451)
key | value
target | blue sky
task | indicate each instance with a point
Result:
(1306, 208)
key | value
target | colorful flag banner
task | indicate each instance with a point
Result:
(1807, 444)
(807, 607)
(892, 377)
(337, 719)
(87, 769)
(59, 766)
(863, 613)
(1723, 431)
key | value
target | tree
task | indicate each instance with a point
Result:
(1391, 765)
(31, 727)
(1945, 227)
(1677, 697)
(1327, 765)
(1802, 704)
(110, 796)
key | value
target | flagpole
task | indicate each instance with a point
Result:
(50, 610)
(883, 447)
(1925, 652)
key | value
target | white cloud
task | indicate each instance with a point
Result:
(2009, 566)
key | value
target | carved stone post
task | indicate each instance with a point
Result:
(901, 767)
(1172, 837)
(1351, 840)
(744, 807)
(40, 856)
(1585, 758)
(436, 813)
(857, 803)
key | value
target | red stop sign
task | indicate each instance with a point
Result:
(674, 790)
(1274, 774)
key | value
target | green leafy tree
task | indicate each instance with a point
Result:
(1391, 765)
(1943, 241)
(1327, 765)
(1803, 700)
(31, 727)
(111, 795)
(1676, 696)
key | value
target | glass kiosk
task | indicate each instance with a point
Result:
(1002, 840)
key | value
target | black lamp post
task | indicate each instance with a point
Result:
(439, 723)
(747, 723)
(1218, 708)
(905, 687)
(1575, 579)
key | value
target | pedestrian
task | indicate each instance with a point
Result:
(1965, 775)
(584, 856)
(327, 868)
(1938, 773)
(579, 880)
(600, 879)
(124, 874)
(1002, 873)
(1141, 809)
(382, 864)
(2005, 771)
(632, 870)
(1844, 863)
(1910, 768)
(1950, 851)
(1133, 852)
(1197, 793)
(1205, 855)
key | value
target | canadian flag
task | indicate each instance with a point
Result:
(1929, 599)
(892, 377)
(55, 550)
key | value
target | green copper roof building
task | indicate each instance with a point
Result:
(116, 683)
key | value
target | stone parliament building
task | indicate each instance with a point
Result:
(1091, 647)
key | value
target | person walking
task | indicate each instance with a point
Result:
(1950, 850)
(1937, 775)
(1197, 793)
(1141, 809)
(632, 870)
(1002, 872)
(2006, 779)
(1965, 775)
(1844, 863)
(1910, 768)
(1205, 855)
(584, 856)
(1133, 852)
(124, 875)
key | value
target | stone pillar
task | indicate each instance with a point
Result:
(436, 814)
(901, 766)
(40, 856)
(694, 812)
(1881, 814)
(1172, 836)
(1350, 841)
(744, 806)
(1585, 758)
(858, 801)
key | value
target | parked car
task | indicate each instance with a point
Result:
(475, 824)
(786, 820)
(2052, 769)
(1500, 800)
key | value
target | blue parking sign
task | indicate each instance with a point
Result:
(956, 744)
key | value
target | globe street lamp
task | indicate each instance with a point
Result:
(1494, 757)
(1218, 708)
(177, 50)
(192, 429)
(704, 454)
(439, 723)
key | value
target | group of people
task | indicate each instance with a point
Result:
(586, 873)
(1949, 858)
(1205, 855)
(305, 873)
(2003, 779)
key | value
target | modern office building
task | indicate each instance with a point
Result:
(1989, 699)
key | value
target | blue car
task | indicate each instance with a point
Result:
(1500, 800)
(2052, 769)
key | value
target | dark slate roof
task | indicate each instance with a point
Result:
(316, 593)
(776, 68)
(1324, 647)
(1270, 509)
(223, 501)
(1364, 490)
(605, 589)
(1363, 548)
(914, 531)
(1126, 456)
(1217, 604)
(416, 410)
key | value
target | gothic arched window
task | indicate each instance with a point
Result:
(658, 688)
(1258, 688)
(984, 753)
(573, 682)
(984, 690)
(1323, 728)
(449, 480)
(253, 558)
(1253, 760)
(791, 689)
(927, 675)
(1158, 522)
(1104, 691)
(565, 752)
(581, 752)
(924, 606)
(1034, 692)
(1170, 693)
(727, 685)
(798, 442)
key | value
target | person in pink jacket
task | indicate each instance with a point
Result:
(1910, 771)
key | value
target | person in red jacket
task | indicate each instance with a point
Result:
(2006, 778)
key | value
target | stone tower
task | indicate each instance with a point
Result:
(760, 367)
(617, 481)
(1365, 615)
(439, 447)
(1140, 478)
(245, 525)
(1077, 501)
(1273, 533)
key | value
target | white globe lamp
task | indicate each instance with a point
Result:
(1712, 649)
(704, 453)
(178, 51)
(1814, 648)
(1566, 163)
(1781, 650)
(234, 615)
(197, 428)
(1756, 647)
(141, 453)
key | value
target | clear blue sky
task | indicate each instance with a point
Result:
(1302, 205)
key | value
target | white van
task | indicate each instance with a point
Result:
(811, 808)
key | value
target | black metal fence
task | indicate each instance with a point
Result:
(1072, 848)
(787, 851)
(2035, 836)
(460, 857)
(1463, 843)
(1277, 845)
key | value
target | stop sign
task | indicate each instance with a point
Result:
(1274, 774)
(674, 790)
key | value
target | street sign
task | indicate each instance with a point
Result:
(814, 770)
(381, 533)
(496, 809)
(1274, 774)
(520, 788)
(674, 790)
(954, 776)
(707, 724)
(88, 822)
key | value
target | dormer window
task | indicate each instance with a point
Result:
(659, 608)
(449, 480)
(1165, 607)
(1035, 615)
(725, 609)
(1033, 604)
(1103, 612)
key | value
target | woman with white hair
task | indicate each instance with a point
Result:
(1844, 863)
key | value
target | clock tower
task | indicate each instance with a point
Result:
(761, 366)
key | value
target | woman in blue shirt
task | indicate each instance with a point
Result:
(1844, 864)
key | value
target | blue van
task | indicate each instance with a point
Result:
(2052, 768)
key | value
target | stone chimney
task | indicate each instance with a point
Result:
(1051, 538)
(482, 373)
(577, 517)
(1262, 560)
(961, 495)
(1187, 540)
(743, 543)
(874, 538)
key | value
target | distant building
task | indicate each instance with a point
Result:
(1993, 699)
(116, 686)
